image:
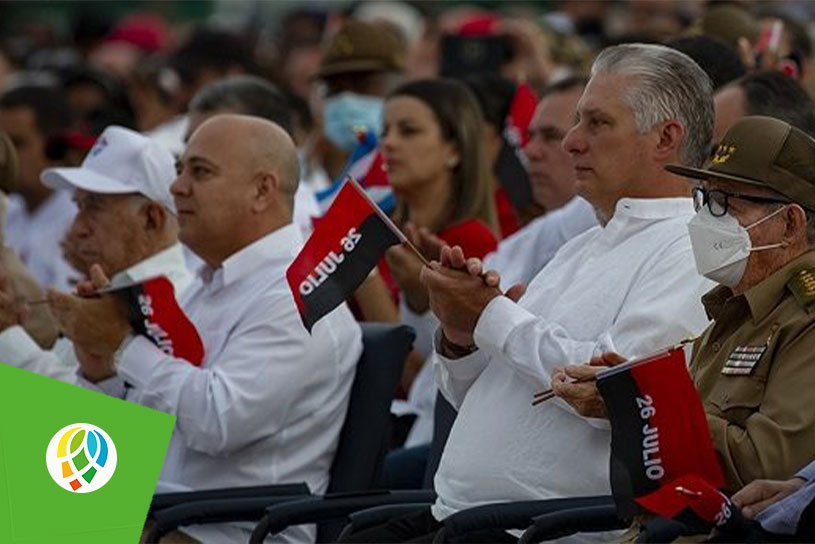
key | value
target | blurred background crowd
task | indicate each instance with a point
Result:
(322, 69)
(139, 63)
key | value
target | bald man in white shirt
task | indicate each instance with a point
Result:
(267, 404)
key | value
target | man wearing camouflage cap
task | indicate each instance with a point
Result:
(754, 234)
(361, 64)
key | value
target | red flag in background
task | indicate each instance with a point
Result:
(155, 314)
(661, 450)
(346, 244)
(521, 111)
(510, 166)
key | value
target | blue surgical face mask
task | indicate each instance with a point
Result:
(346, 113)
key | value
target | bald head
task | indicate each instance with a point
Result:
(236, 183)
(260, 145)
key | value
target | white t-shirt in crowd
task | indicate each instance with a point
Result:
(35, 237)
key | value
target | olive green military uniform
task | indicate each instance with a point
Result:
(755, 372)
(754, 366)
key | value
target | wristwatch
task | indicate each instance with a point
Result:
(456, 350)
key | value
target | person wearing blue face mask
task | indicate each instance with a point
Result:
(361, 64)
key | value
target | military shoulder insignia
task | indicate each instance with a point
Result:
(743, 360)
(802, 286)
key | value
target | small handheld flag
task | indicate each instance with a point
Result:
(155, 314)
(345, 246)
(660, 441)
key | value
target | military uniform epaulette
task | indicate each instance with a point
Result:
(802, 286)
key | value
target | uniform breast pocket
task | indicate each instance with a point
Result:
(736, 398)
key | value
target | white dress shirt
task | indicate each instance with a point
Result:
(518, 259)
(629, 287)
(18, 349)
(267, 404)
(36, 236)
(305, 208)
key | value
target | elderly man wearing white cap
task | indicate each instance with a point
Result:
(125, 223)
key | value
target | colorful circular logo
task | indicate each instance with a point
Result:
(81, 458)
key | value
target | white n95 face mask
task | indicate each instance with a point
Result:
(721, 245)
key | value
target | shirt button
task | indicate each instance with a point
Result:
(716, 346)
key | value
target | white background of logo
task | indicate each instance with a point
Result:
(54, 463)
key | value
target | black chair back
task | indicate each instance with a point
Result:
(363, 439)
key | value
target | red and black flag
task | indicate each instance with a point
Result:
(510, 166)
(346, 244)
(662, 457)
(155, 314)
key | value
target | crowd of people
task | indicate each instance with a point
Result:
(664, 189)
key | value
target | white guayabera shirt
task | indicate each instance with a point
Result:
(268, 402)
(629, 287)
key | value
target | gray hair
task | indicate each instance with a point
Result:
(670, 86)
(245, 94)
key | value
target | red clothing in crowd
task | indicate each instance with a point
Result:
(507, 218)
(474, 237)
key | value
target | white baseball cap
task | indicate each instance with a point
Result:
(122, 161)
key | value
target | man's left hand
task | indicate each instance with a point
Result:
(759, 494)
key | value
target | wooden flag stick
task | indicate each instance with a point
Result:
(546, 394)
(391, 225)
(110, 288)
(543, 396)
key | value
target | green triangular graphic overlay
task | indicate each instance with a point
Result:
(34, 508)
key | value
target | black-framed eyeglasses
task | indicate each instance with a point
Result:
(718, 202)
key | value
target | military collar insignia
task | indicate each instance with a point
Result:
(723, 153)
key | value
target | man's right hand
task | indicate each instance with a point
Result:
(459, 292)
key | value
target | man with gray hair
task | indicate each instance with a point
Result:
(629, 283)
(125, 224)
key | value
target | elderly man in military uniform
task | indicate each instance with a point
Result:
(754, 234)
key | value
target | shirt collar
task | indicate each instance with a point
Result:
(280, 245)
(715, 299)
(163, 263)
(761, 298)
(653, 208)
